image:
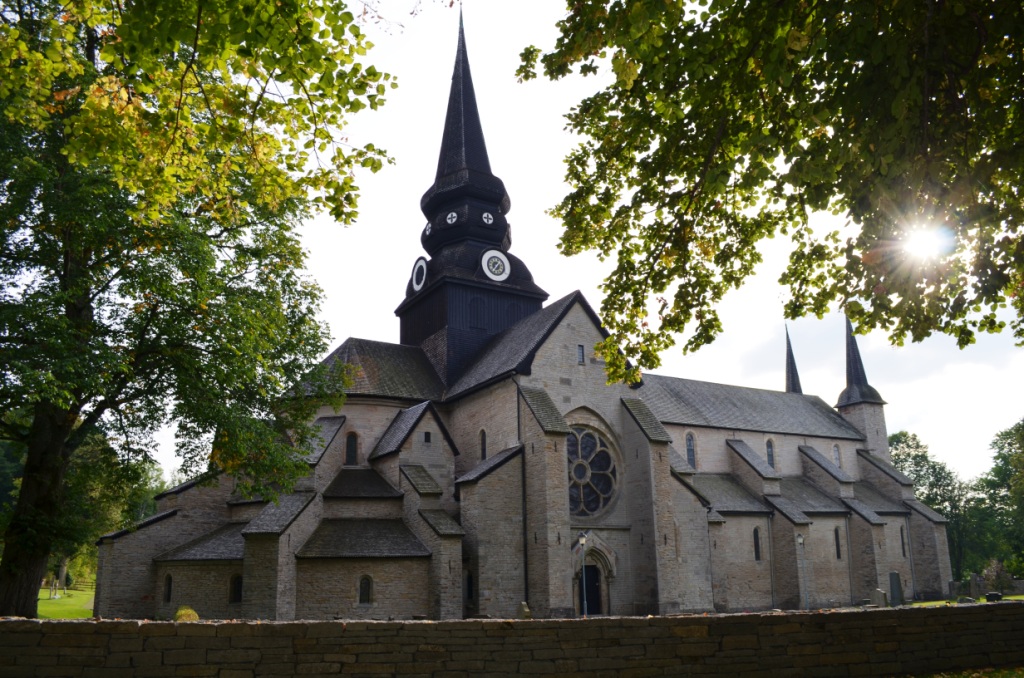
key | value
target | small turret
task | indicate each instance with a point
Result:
(859, 403)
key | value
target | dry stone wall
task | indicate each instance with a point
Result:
(838, 643)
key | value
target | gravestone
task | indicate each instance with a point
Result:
(896, 587)
(879, 599)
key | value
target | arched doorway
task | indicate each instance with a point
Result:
(588, 588)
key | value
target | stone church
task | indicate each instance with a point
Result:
(482, 462)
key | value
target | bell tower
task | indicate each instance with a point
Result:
(471, 288)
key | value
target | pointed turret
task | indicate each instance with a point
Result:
(857, 388)
(466, 199)
(792, 377)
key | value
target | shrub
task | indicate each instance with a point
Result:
(186, 614)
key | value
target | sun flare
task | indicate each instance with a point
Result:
(927, 242)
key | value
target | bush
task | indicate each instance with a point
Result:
(186, 614)
(997, 577)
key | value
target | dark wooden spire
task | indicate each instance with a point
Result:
(857, 388)
(792, 377)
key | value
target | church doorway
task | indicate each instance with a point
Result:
(589, 602)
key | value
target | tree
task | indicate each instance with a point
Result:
(155, 158)
(731, 122)
(1003, 486)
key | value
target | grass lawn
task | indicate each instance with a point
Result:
(76, 605)
(936, 603)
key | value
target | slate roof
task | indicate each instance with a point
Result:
(857, 388)
(678, 462)
(926, 511)
(825, 463)
(701, 403)
(188, 484)
(808, 498)
(513, 350)
(362, 538)
(420, 479)
(224, 543)
(726, 495)
(360, 483)
(864, 511)
(388, 370)
(402, 426)
(327, 429)
(876, 501)
(788, 509)
(544, 409)
(275, 518)
(442, 523)
(645, 419)
(885, 467)
(752, 458)
(488, 465)
(163, 515)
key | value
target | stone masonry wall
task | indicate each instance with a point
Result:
(837, 643)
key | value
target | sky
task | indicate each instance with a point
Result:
(954, 400)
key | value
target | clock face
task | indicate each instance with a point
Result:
(419, 274)
(488, 218)
(495, 265)
(452, 217)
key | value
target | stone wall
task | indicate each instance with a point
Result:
(839, 643)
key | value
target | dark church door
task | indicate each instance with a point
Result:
(592, 574)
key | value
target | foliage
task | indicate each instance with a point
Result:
(997, 576)
(186, 614)
(155, 159)
(1004, 488)
(730, 122)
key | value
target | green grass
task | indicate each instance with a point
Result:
(938, 603)
(75, 605)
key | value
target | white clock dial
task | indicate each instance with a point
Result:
(488, 218)
(495, 265)
(419, 274)
(452, 217)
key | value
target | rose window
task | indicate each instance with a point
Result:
(592, 472)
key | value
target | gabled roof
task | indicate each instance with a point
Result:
(753, 459)
(388, 370)
(725, 494)
(442, 523)
(402, 426)
(885, 467)
(808, 498)
(488, 465)
(645, 419)
(701, 403)
(512, 351)
(360, 483)
(152, 520)
(224, 543)
(188, 484)
(544, 410)
(327, 430)
(421, 480)
(362, 538)
(275, 518)
(825, 463)
(876, 501)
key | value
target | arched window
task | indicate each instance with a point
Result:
(593, 473)
(235, 589)
(168, 584)
(351, 453)
(903, 542)
(365, 590)
(770, 449)
(757, 544)
(835, 455)
(839, 549)
(691, 450)
(483, 444)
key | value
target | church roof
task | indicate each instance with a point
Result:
(792, 376)
(544, 409)
(876, 501)
(153, 519)
(388, 370)
(725, 494)
(678, 462)
(276, 517)
(864, 511)
(513, 350)
(825, 463)
(327, 429)
(224, 543)
(362, 538)
(488, 465)
(808, 498)
(857, 388)
(760, 466)
(701, 403)
(403, 425)
(645, 419)
(926, 511)
(885, 467)
(442, 523)
(360, 483)
(421, 480)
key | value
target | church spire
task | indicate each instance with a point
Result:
(857, 388)
(792, 377)
(466, 200)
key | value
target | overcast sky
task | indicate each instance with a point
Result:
(954, 400)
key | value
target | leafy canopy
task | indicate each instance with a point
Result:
(729, 122)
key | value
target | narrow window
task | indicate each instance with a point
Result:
(903, 542)
(365, 590)
(426, 436)
(757, 544)
(469, 586)
(691, 450)
(235, 589)
(351, 455)
(839, 549)
(580, 354)
(483, 444)
(770, 448)
(835, 455)
(167, 588)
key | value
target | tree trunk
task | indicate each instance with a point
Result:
(29, 535)
(62, 574)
